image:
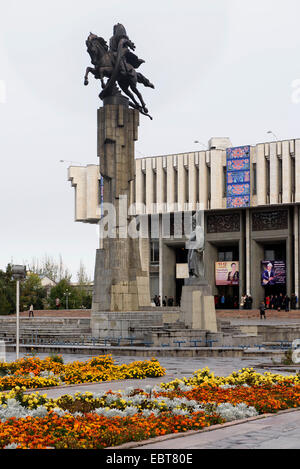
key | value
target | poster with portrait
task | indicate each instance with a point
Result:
(273, 273)
(227, 273)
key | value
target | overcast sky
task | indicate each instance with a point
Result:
(221, 68)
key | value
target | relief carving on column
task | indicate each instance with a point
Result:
(224, 223)
(270, 220)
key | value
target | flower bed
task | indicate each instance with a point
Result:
(34, 372)
(99, 420)
(93, 431)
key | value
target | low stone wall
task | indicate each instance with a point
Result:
(149, 352)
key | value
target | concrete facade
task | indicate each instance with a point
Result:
(166, 186)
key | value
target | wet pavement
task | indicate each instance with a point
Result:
(176, 367)
(280, 431)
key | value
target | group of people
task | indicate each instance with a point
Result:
(223, 302)
(246, 302)
(165, 302)
(279, 302)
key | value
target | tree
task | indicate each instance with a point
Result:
(32, 292)
(50, 268)
(64, 290)
(7, 292)
(82, 276)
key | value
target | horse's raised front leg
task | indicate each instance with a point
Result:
(88, 70)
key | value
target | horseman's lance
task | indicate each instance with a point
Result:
(112, 80)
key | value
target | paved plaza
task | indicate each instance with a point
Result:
(280, 431)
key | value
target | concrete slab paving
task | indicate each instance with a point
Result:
(279, 431)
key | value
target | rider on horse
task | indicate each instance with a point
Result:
(129, 61)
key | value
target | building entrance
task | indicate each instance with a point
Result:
(274, 273)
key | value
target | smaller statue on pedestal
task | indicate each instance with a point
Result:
(195, 246)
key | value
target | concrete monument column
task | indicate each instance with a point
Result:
(120, 284)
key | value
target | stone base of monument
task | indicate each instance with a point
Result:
(117, 286)
(198, 306)
(130, 295)
(125, 325)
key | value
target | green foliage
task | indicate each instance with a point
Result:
(56, 358)
(78, 297)
(7, 292)
(32, 292)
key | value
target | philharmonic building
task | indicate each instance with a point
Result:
(250, 197)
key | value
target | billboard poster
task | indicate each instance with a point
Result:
(227, 273)
(273, 273)
(238, 177)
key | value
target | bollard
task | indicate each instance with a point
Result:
(2, 351)
(296, 353)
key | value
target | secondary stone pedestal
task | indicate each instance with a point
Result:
(198, 306)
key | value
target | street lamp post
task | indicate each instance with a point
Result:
(67, 294)
(273, 135)
(202, 144)
(18, 273)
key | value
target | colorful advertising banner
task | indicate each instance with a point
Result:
(227, 273)
(273, 273)
(238, 177)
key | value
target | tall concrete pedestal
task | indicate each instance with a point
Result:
(119, 283)
(198, 306)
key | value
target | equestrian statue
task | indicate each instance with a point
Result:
(119, 65)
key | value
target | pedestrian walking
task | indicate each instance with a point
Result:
(262, 310)
(171, 301)
(31, 314)
(155, 300)
(248, 302)
(280, 302)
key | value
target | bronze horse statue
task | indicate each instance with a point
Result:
(119, 65)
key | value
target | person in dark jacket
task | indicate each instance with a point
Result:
(280, 302)
(294, 301)
(287, 302)
(262, 310)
